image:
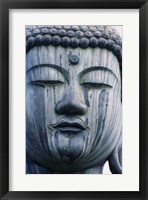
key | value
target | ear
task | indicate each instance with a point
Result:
(114, 162)
(115, 159)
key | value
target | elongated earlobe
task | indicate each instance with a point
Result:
(115, 161)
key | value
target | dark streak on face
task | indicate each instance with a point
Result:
(102, 107)
(85, 91)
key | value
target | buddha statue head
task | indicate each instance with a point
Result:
(73, 99)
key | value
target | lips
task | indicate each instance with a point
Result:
(70, 127)
(68, 137)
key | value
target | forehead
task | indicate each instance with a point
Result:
(59, 56)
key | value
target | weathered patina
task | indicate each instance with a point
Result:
(73, 99)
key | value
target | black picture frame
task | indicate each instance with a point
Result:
(5, 5)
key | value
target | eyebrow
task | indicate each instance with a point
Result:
(94, 68)
(64, 71)
(58, 68)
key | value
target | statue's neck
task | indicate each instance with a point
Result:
(32, 168)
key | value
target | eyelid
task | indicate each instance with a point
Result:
(47, 82)
(96, 68)
(96, 85)
(58, 68)
(98, 77)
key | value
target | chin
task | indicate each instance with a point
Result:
(67, 147)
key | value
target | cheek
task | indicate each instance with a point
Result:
(100, 109)
(52, 95)
(35, 118)
(35, 107)
(41, 102)
(98, 99)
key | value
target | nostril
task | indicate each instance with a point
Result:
(71, 108)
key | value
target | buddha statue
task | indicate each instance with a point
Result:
(73, 100)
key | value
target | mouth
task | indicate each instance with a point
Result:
(66, 126)
(68, 137)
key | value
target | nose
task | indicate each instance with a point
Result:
(72, 103)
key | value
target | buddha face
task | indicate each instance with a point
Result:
(73, 106)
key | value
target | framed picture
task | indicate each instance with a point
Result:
(73, 100)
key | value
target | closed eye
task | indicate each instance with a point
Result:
(94, 85)
(47, 82)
